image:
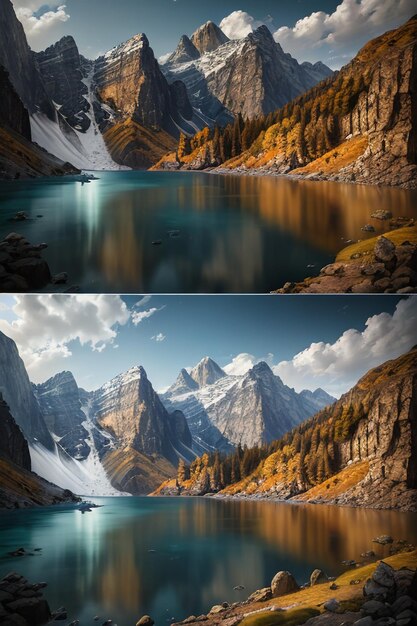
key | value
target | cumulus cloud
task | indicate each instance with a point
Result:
(159, 337)
(337, 36)
(243, 362)
(41, 20)
(239, 24)
(45, 325)
(338, 366)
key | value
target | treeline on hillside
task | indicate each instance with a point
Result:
(306, 127)
(309, 454)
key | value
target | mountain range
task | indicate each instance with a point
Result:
(124, 437)
(360, 451)
(125, 110)
(357, 125)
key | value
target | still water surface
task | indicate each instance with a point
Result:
(174, 557)
(236, 233)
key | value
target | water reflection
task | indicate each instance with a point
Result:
(181, 556)
(237, 234)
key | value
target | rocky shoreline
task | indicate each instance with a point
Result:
(382, 594)
(387, 268)
(368, 593)
(22, 267)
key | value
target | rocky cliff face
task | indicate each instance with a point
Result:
(19, 61)
(16, 390)
(13, 445)
(387, 111)
(208, 38)
(132, 412)
(251, 76)
(128, 78)
(13, 114)
(259, 409)
(59, 401)
(62, 71)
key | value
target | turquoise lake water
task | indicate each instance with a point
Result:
(235, 233)
(171, 558)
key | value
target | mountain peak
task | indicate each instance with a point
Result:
(206, 372)
(262, 368)
(208, 37)
(185, 51)
(183, 384)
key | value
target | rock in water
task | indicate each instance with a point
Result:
(283, 583)
(146, 620)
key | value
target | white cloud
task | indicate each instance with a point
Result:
(243, 362)
(144, 300)
(338, 366)
(239, 24)
(45, 325)
(41, 28)
(159, 337)
(139, 316)
(340, 34)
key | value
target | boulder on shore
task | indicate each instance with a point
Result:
(283, 583)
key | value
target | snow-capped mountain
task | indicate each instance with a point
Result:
(251, 76)
(251, 409)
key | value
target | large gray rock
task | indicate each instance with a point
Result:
(317, 577)
(283, 583)
(384, 250)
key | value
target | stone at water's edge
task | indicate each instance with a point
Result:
(317, 577)
(283, 583)
(146, 620)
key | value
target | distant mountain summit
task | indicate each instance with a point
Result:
(208, 38)
(206, 372)
(223, 411)
(250, 76)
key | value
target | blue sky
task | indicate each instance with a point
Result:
(327, 341)
(327, 30)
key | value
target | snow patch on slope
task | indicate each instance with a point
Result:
(86, 151)
(86, 478)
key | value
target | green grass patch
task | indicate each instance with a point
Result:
(292, 617)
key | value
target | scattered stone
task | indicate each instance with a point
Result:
(383, 539)
(332, 605)
(368, 228)
(333, 587)
(364, 621)
(369, 554)
(217, 608)
(380, 214)
(261, 595)
(375, 609)
(20, 216)
(384, 249)
(238, 588)
(317, 577)
(157, 242)
(283, 583)
(60, 279)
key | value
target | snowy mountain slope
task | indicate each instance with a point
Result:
(86, 478)
(251, 76)
(252, 409)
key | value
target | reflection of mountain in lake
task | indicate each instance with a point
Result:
(236, 234)
(144, 555)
